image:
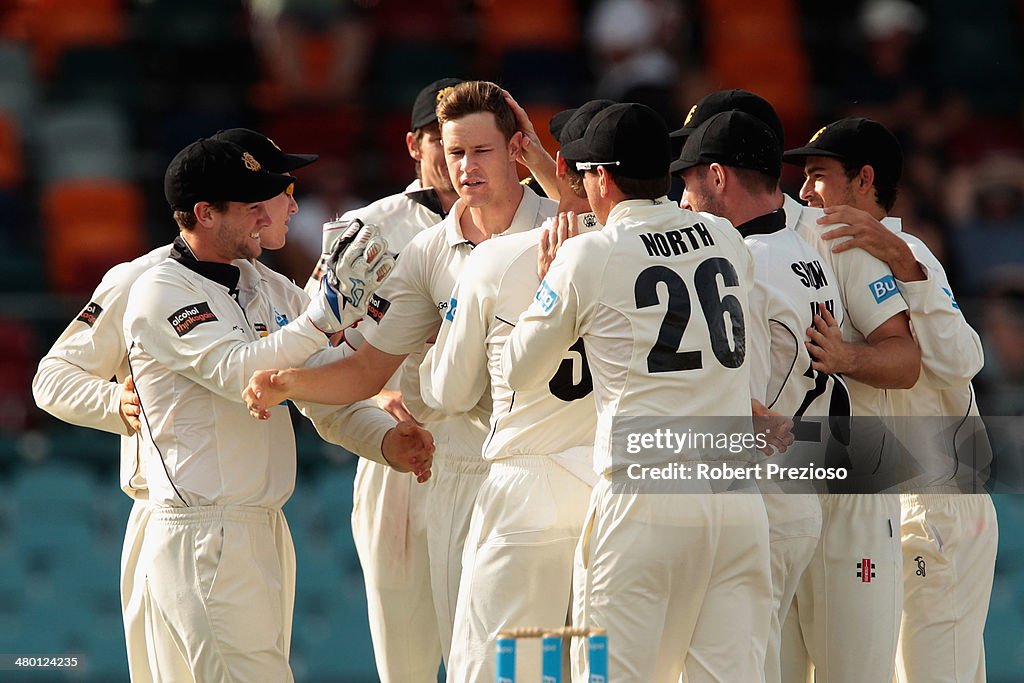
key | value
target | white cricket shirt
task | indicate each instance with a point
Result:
(408, 308)
(495, 287)
(73, 379)
(659, 297)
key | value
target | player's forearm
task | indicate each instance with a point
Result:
(354, 378)
(360, 428)
(75, 396)
(543, 171)
(892, 363)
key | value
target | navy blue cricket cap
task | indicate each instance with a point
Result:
(736, 99)
(266, 151)
(424, 108)
(211, 170)
(857, 141)
(630, 137)
(732, 138)
(570, 124)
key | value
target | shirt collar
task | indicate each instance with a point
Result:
(765, 224)
(524, 219)
(893, 223)
(635, 206)
(426, 197)
(222, 273)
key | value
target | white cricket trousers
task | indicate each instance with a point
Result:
(844, 621)
(457, 478)
(133, 584)
(219, 596)
(949, 557)
(682, 582)
(794, 526)
(517, 564)
(389, 525)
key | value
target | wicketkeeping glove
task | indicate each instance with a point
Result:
(358, 264)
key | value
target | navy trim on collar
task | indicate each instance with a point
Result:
(428, 197)
(764, 225)
(221, 273)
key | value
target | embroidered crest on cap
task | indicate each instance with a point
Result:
(444, 92)
(250, 162)
(689, 116)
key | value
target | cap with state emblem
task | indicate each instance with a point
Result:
(424, 109)
(211, 170)
(266, 151)
(857, 141)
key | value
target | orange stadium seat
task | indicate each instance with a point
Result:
(55, 25)
(527, 23)
(89, 226)
(757, 46)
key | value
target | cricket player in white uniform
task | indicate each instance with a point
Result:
(530, 510)
(679, 581)
(195, 329)
(481, 144)
(854, 583)
(949, 529)
(389, 520)
(731, 165)
(73, 381)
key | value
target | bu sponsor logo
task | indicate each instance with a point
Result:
(865, 570)
(546, 296)
(90, 313)
(883, 288)
(185, 319)
(453, 303)
(280, 318)
(920, 567)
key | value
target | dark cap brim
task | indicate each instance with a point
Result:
(798, 155)
(577, 150)
(682, 164)
(683, 132)
(293, 162)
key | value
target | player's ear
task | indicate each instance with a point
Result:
(865, 179)
(413, 146)
(515, 145)
(204, 212)
(718, 176)
(561, 165)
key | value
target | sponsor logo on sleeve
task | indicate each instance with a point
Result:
(883, 288)
(90, 313)
(452, 305)
(952, 299)
(546, 297)
(377, 307)
(185, 319)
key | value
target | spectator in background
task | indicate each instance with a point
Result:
(286, 29)
(883, 81)
(987, 207)
(632, 48)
